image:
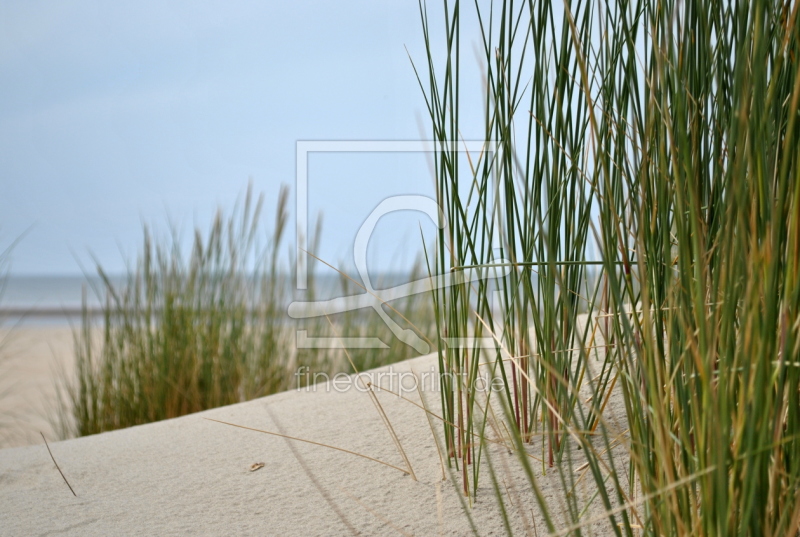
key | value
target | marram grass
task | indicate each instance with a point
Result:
(181, 335)
(659, 138)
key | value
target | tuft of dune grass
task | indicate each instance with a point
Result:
(641, 166)
(184, 334)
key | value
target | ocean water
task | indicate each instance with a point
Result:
(45, 299)
(46, 292)
(54, 300)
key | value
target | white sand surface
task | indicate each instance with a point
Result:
(191, 476)
(32, 359)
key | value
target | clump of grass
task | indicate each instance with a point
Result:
(711, 356)
(181, 335)
(663, 135)
(523, 206)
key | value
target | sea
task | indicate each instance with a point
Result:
(34, 300)
(47, 300)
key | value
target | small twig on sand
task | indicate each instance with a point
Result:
(57, 467)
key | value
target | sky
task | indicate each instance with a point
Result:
(116, 115)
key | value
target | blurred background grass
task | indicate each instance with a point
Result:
(182, 335)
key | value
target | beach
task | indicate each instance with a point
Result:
(33, 359)
(192, 475)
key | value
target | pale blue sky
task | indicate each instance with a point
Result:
(117, 113)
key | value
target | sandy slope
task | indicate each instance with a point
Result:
(191, 476)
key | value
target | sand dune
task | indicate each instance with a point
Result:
(191, 475)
